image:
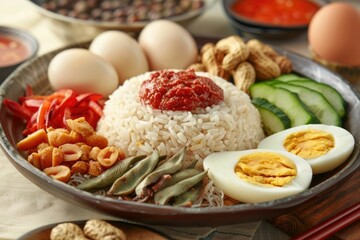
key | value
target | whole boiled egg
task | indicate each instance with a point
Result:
(122, 51)
(324, 147)
(82, 71)
(334, 34)
(168, 45)
(258, 175)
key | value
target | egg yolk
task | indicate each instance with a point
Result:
(266, 168)
(310, 143)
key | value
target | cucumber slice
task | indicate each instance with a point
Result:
(290, 77)
(274, 119)
(317, 103)
(330, 93)
(287, 101)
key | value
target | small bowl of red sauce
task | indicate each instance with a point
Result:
(16, 47)
(271, 18)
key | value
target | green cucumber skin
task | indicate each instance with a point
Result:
(317, 103)
(287, 101)
(274, 119)
(290, 77)
(330, 93)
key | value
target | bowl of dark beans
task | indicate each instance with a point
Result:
(131, 15)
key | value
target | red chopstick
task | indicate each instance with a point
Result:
(332, 225)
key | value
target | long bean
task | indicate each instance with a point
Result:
(163, 196)
(109, 176)
(127, 183)
(170, 166)
(181, 175)
(188, 198)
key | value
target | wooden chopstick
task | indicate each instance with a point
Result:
(332, 225)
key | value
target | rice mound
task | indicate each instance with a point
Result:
(234, 124)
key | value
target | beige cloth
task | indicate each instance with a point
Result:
(24, 206)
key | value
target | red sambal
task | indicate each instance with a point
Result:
(179, 91)
(12, 51)
(277, 12)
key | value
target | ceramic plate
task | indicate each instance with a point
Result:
(34, 73)
(132, 231)
(134, 27)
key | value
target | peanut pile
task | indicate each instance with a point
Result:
(244, 63)
(62, 152)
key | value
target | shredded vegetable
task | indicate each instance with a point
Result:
(43, 111)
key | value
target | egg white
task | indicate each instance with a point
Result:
(344, 145)
(221, 169)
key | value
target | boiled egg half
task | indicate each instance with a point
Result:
(258, 175)
(324, 147)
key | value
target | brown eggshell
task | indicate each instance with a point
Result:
(334, 34)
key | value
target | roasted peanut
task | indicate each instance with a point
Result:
(46, 157)
(235, 49)
(75, 137)
(206, 47)
(61, 173)
(108, 156)
(244, 76)
(80, 167)
(32, 140)
(35, 160)
(94, 153)
(85, 152)
(265, 68)
(42, 146)
(57, 157)
(209, 59)
(98, 230)
(283, 62)
(96, 140)
(72, 152)
(81, 126)
(95, 168)
(198, 67)
(58, 137)
(266, 49)
(67, 231)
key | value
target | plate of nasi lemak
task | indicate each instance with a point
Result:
(180, 130)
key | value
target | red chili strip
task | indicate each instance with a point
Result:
(18, 110)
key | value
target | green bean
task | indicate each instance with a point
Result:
(192, 164)
(109, 176)
(127, 183)
(188, 198)
(181, 175)
(170, 166)
(163, 196)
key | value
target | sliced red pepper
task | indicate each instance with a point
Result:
(48, 122)
(80, 108)
(29, 91)
(68, 101)
(16, 109)
(30, 129)
(91, 118)
(66, 116)
(53, 110)
(33, 104)
(89, 97)
(43, 113)
(96, 108)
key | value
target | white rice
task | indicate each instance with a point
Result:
(234, 124)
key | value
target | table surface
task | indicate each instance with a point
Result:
(24, 206)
